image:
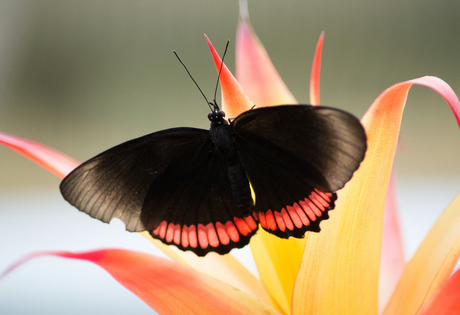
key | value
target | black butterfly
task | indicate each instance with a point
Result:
(208, 190)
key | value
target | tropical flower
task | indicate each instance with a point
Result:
(335, 271)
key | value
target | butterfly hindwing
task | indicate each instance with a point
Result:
(202, 214)
(171, 183)
(296, 157)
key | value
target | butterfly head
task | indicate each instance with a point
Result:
(217, 116)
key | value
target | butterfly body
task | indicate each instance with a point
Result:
(193, 188)
(221, 135)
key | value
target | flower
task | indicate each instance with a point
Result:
(332, 272)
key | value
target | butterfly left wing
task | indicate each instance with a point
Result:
(171, 183)
(296, 157)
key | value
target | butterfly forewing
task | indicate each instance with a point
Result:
(296, 157)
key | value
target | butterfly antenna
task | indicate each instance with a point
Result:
(220, 70)
(209, 103)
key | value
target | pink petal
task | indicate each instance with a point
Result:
(446, 299)
(255, 71)
(316, 72)
(54, 161)
(166, 286)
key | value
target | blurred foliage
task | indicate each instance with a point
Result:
(81, 76)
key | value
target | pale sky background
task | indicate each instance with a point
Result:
(81, 76)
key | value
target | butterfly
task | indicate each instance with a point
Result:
(209, 190)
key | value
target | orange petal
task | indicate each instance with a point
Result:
(226, 268)
(431, 264)
(316, 72)
(254, 69)
(54, 161)
(166, 286)
(340, 267)
(234, 99)
(392, 261)
(446, 299)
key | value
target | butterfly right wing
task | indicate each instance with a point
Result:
(171, 183)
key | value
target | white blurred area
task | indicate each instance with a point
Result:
(84, 76)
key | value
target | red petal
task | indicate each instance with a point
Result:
(446, 299)
(234, 99)
(166, 286)
(54, 161)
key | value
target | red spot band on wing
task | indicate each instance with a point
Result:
(251, 223)
(294, 216)
(202, 236)
(162, 231)
(184, 236)
(177, 234)
(262, 220)
(232, 231)
(301, 213)
(212, 235)
(192, 237)
(222, 233)
(170, 233)
(307, 207)
(271, 224)
(287, 220)
(242, 226)
(279, 221)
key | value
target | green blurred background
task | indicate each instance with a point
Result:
(81, 76)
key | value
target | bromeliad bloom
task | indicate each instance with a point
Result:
(332, 272)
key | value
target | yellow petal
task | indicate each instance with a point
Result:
(340, 267)
(278, 261)
(226, 268)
